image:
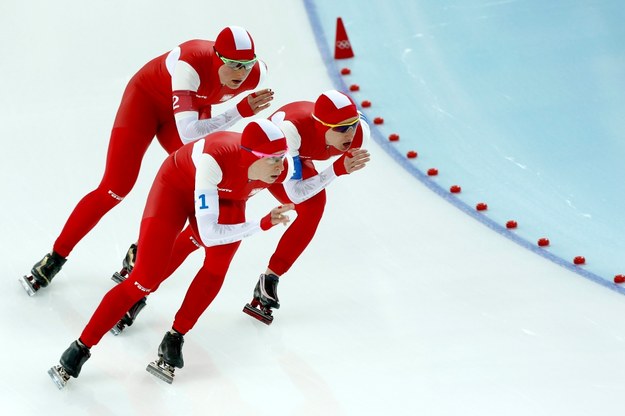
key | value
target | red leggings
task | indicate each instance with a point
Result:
(162, 247)
(140, 117)
(300, 233)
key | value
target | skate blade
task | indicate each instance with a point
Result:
(116, 330)
(258, 314)
(160, 371)
(28, 285)
(57, 377)
(118, 277)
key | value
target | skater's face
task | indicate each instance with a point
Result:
(341, 135)
(233, 73)
(267, 168)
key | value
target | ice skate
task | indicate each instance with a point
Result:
(265, 299)
(129, 317)
(59, 376)
(162, 370)
(169, 357)
(30, 285)
(42, 273)
(71, 363)
(127, 264)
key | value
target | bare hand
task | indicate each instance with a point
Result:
(260, 100)
(277, 214)
(356, 159)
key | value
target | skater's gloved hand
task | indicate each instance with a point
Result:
(351, 161)
(255, 102)
(276, 216)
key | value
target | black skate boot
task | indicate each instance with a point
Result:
(169, 357)
(127, 264)
(71, 363)
(42, 273)
(130, 316)
(265, 298)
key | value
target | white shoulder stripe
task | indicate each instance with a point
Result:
(208, 173)
(185, 78)
(172, 59)
(293, 138)
(198, 149)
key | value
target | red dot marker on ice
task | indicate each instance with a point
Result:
(346, 71)
(455, 189)
(354, 87)
(511, 224)
(378, 120)
(543, 242)
(579, 260)
(481, 206)
(619, 278)
(366, 104)
(432, 172)
(393, 137)
(411, 154)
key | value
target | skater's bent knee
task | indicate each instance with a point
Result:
(116, 196)
(132, 290)
(144, 290)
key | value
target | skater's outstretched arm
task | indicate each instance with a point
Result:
(299, 190)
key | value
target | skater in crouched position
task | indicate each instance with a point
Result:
(329, 127)
(208, 184)
(195, 76)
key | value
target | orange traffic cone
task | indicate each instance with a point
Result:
(342, 47)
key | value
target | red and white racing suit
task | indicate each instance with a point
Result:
(187, 76)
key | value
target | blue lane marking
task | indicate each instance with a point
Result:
(339, 84)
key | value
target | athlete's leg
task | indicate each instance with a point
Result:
(301, 231)
(185, 244)
(167, 135)
(162, 222)
(205, 286)
(130, 138)
(159, 236)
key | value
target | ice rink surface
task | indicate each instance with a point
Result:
(518, 102)
(402, 304)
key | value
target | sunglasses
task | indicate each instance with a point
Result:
(340, 128)
(261, 155)
(236, 65)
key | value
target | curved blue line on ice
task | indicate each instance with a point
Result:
(339, 83)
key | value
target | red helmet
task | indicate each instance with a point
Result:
(235, 43)
(333, 106)
(261, 137)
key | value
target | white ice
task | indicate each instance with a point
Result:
(402, 304)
